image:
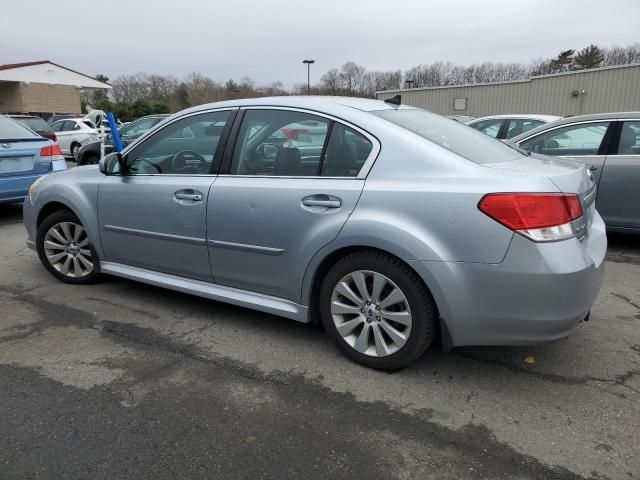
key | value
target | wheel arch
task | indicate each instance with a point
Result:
(327, 257)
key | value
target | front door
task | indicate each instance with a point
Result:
(153, 215)
(618, 198)
(290, 187)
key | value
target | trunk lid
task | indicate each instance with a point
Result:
(23, 157)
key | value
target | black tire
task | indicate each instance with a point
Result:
(421, 303)
(52, 220)
(74, 150)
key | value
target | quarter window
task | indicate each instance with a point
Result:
(629, 143)
(572, 140)
(185, 147)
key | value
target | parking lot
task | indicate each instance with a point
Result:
(124, 380)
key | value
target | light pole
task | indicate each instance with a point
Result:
(308, 62)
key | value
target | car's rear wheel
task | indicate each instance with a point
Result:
(64, 248)
(377, 310)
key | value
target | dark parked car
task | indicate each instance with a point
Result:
(36, 124)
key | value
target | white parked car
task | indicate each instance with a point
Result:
(71, 132)
(508, 126)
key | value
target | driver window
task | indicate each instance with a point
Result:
(185, 147)
(279, 143)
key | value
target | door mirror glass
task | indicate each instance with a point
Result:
(111, 164)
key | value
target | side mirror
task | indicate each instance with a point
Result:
(111, 164)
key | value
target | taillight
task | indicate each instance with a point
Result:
(539, 216)
(52, 151)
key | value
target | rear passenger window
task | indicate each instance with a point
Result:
(280, 143)
(629, 143)
(573, 140)
(346, 152)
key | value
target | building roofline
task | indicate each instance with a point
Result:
(535, 77)
(11, 66)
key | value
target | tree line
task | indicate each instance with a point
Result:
(133, 96)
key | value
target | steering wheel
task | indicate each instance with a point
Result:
(188, 161)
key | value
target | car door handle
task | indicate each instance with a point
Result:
(196, 197)
(326, 201)
(593, 167)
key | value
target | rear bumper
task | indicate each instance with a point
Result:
(538, 293)
(14, 189)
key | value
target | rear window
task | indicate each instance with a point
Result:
(455, 137)
(12, 130)
(35, 124)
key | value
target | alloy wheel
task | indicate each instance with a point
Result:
(371, 313)
(66, 247)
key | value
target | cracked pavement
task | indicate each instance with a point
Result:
(124, 380)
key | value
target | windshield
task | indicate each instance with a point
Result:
(454, 136)
(12, 130)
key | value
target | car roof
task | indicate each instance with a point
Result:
(577, 119)
(529, 116)
(22, 115)
(364, 104)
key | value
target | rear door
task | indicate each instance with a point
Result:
(619, 191)
(585, 141)
(285, 191)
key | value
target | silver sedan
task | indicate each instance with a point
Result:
(390, 225)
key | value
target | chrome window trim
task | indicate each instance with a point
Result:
(366, 166)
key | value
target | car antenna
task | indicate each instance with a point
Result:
(394, 100)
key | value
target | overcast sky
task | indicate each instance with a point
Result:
(266, 40)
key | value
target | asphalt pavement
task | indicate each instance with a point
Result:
(123, 380)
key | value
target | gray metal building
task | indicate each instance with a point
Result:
(608, 89)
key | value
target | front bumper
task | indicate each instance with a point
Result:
(538, 293)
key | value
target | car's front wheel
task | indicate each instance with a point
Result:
(377, 310)
(64, 249)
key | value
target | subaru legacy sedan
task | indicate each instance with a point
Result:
(390, 225)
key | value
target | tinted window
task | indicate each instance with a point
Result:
(279, 142)
(455, 137)
(516, 126)
(10, 129)
(169, 151)
(346, 152)
(57, 126)
(488, 127)
(629, 143)
(572, 140)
